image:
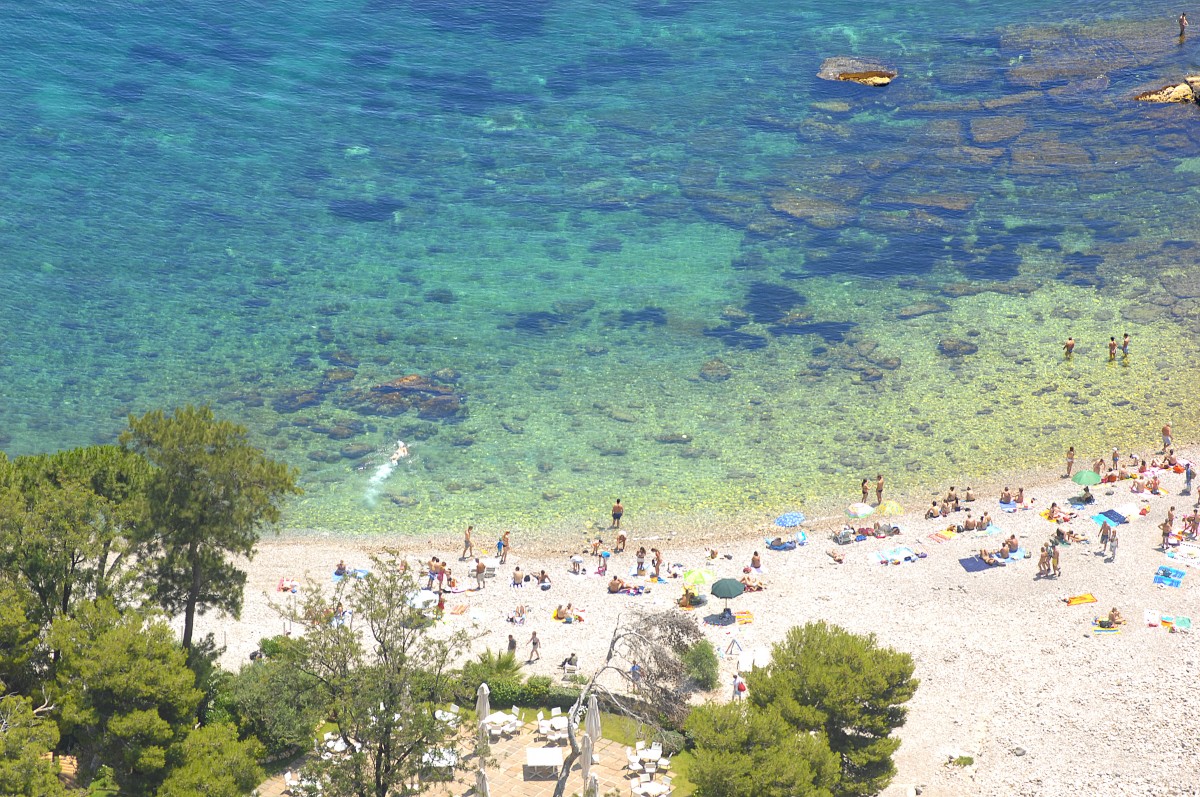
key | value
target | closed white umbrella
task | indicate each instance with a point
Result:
(481, 784)
(483, 701)
(585, 757)
(592, 723)
(593, 788)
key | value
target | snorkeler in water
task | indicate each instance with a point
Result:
(401, 451)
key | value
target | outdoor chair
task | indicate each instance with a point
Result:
(555, 712)
(639, 746)
(664, 763)
(495, 732)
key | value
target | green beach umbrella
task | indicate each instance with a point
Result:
(1086, 478)
(859, 510)
(728, 588)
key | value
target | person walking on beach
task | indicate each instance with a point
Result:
(1070, 460)
(504, 546)
(1113, 539)
(1166, 435)
(480, 571)
(1054, 561)
(512, 644)
(468, 546)
(535, 648)
(1189, 473)
(618, 511)
(1069, 348)
(1112, 349)
(866, 491)
(1116, 457)
(879, 488)
(739, 687)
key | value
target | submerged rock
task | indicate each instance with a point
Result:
(956, 347)
(673, 438)
(922, 308)
(857, 70)
(296, 400)
(1178, 92)
(715, 370)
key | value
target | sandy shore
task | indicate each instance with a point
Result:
(1010, 674)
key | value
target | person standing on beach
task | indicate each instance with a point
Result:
(1125, 345)
(1189, 473)
(1166, 435)
(480, 571)
(468, 546)
(505, 545)
(1112, 349)
(1112, 544)
(879, 488)
(618, 511)
(1054, 561)
(739, 687)
(1069, 348)
(535, 648)
(1070, 460)
(1116, 457)
(866, 491)
(1183, 25)
(512, 644)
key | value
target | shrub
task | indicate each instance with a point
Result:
(700, 663)
(537, 688)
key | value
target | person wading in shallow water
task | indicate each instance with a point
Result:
(1183, 25)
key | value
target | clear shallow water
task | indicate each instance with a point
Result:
(558, 213)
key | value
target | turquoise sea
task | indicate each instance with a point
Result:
(573, 251)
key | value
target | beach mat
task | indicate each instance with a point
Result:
(1076, 600)
(973, 564)
(1096, 629)
(1169, 576)
(459, 609)
(744, 617)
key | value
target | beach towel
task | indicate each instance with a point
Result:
(1010, 506)
(357, 573)
(1115, 516)
(1183, 624)
(459, 609)
(1151, 617)
(1097, 629)
(973, 564)
(894, 555)
(744, 617)
(1076, 600)
(1169, 576)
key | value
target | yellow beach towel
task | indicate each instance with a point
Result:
(744, 617)
(1076, 600)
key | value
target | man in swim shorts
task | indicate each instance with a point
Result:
(1069, 348)
(1166, 435)
(617, 512)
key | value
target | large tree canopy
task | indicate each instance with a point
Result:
(743, 751)
(65, 521)
(384, 697)
(124, 692)
(210, 493)
(26, 736)
(825, 679)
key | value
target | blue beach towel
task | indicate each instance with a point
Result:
(973, 564)
(1169, 576)
(357, 573)
(1011, 506)
(1115, 516)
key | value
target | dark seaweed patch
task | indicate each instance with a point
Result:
(363, 210)
(767, 302)
(655, 316)
(735, 338)
(539, 322)
(461, 92)
(147, 53)
(126, 92)
(828, 331)
(606, 67)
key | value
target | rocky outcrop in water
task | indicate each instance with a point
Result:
(1178, 92)
(715, 370)
(856, 70)
(432, 399)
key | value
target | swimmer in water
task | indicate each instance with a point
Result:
(401, 451)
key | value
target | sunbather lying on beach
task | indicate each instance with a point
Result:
(752, 584)
(987, 557)
(1056, 514)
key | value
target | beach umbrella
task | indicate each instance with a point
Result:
(1086, 478)
(859, 510)
(790, 519)
(481, 784)
(592, 723)
(585, 757)
(699, 577)
(890, 508)
(728, 588)
(422, 599)
(483, 701)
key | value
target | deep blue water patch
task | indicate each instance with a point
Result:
(365, 210)
(768, 302)
(735, 338)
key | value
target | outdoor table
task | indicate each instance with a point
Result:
(652, 789)
(558, 723)
(498, 718)
(544, 758)
(648, 754)
(441, 761)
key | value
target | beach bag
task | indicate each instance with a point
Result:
(741, 686)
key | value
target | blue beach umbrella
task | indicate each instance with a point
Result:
(790, 519)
